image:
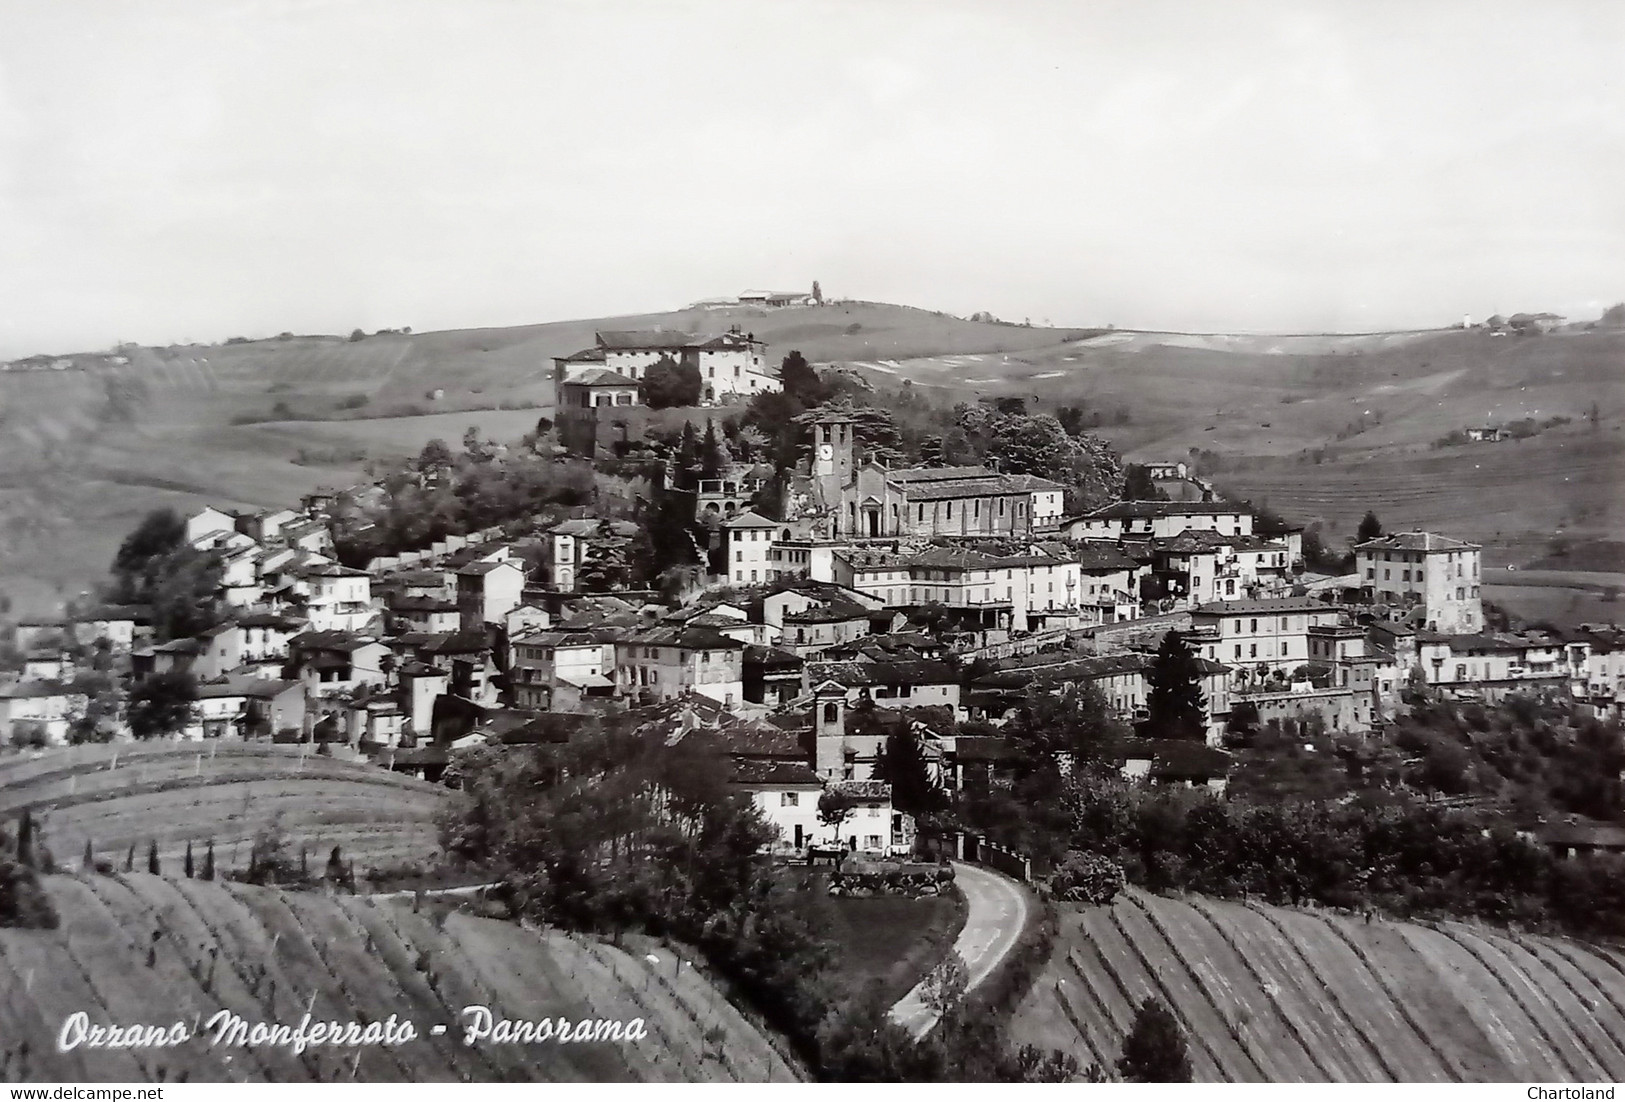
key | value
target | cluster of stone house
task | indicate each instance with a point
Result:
(899, 600)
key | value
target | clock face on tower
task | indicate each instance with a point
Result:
(826, 452)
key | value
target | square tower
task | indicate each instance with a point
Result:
(832, 457)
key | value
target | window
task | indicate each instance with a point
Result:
(789, 799)
(1386, 573)
(832, 713)
(1254, 628)
(1371, 573)
(1252, 650)
(1238, 650)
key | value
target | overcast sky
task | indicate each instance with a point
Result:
(196, 169)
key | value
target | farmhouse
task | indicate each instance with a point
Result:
(730, 364)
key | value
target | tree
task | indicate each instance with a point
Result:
(189, 869)
(89, 859)
(1138, 486)
(714, 457)
(605, 566)
(944, 988)
(1370, 527)
(817, 293)
(182, 588)
(208, 861)
(1176, 707)
(1154, 1050)
(1077, 722)
(129, 858)
(800, 381)
(25, 839)
(152, 856)
(1614, 315)
(834, 808)
(357, 335)
(686, 459)
(159, 533)
(902, 765)
(668, 383)
(436, 456)
(162, 704)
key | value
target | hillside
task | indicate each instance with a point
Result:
(175, 792)
(84, 453)
(1326, 428)
(144, 949)
(1269, 994)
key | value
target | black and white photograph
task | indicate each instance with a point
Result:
(811, 542)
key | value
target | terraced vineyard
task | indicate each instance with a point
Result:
(1269, 994)
(179, 792)
(139, 949)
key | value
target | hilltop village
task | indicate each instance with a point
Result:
(820, 607)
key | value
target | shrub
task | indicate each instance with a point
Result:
(1087, 878)
(354, 401)
(1154, 1050)
(23, 902)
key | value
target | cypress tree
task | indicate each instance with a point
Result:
(129, 859)
(189, 869)
(1176, 707)
(208, 861)
(1370, 527)
(152, 856)
(1154, 1050)
(25, 839)
(89, 860)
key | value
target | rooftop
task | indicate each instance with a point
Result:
(1415, 541)
(1146, 509)
(643, 340)
(602, 376)
(1268, 606)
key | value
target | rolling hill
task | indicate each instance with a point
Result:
(1269, 994)
(172, 793)
(84, 453)
(140, 949)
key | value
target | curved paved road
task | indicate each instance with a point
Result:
(996, 910)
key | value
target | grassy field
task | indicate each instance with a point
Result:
(1270, 994)
(145, 949)
(1371, 407)
(173, 793)
(885, 943)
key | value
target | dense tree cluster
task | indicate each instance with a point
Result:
(1405, 857)
(668, 383)
(156, 566)
(443, 493)
(613, 833)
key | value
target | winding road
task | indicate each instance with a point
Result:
(996, 911)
